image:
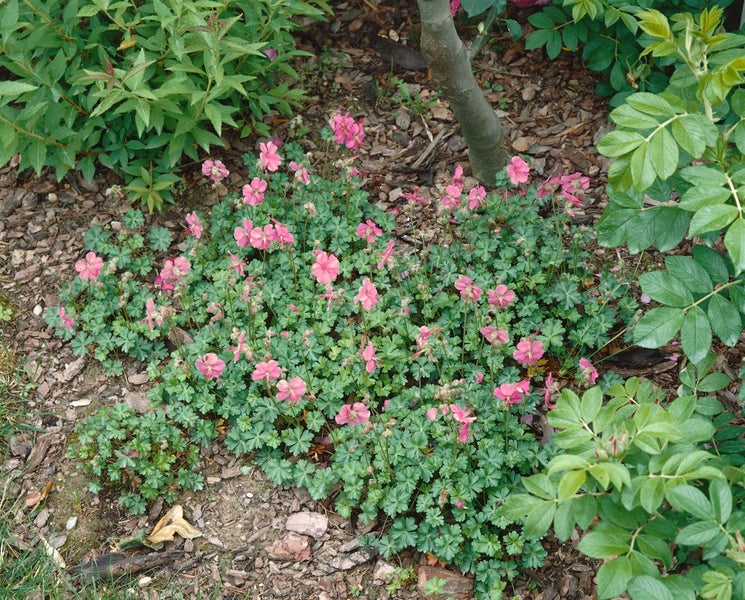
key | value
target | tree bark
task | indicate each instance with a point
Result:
(447, 59)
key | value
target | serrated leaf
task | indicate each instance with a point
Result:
(646, 587)
(564, 520)
(665, 288)
(697, 534)
(613, 577)
(721, 500)
(539, 519)
(686, 498)
(650, 104)
(725, 320)
(713, 262)
(566, 462)
(695, 334)
(657, 327)
(540, 485)
(701, 195)
(570, 483)
(687, 270)
(689, 135)
(15, 88)
(670, 226)
(734, 241)
(703, 175)
(642, 169)
(605, 544)
(712, 218)
(627, 117)
(651, 494)
(618, 142)
(663, 152)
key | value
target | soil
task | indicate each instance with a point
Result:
(549, 111)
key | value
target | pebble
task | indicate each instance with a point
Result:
(71, 522)
(38, 310)
(143, 582)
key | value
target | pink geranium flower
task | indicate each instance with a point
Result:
(386, 256)
(588, 372)
(253, 193)
(367, 295)
(268, 370)
(282, 234)
(240, 346)
(291, 390)
(174, 269)
(326, 267)
(518, 171)
(195, 225)
(528, 352)
(414, 197)
(370, 357)
(368, 231)
(90, 266)
(210, 365)
(215, 170)
(454, 6)
(463, 416)
(494, 335)
(468, 289)
(242, 235)
(301, 173)
(269, 158)
(347, 131)
(500, 296)
(512, 393)
(67, 322)
(476, 197)
(353, 414)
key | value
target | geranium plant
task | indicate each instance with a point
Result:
(397, 377)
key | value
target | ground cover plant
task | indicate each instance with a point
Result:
(140, 87)
(398, 379)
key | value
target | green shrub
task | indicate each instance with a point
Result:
(136, 86)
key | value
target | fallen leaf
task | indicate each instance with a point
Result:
(34, 499)
(172, 523)
(53, 552)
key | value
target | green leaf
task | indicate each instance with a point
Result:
(686, 498)
(687, 270)
(566, 462)
(539, 519)
(670, 226)
(689, 135)
(651, 494)
(540, 485)
(613, 577)
(15, 88)
(721, 500)
(655, 547)
(713, 262)
(665, 288)
(725, 320)
(698, 533)
(712, 218)
(608, 543)
(695, 334)
(663, 151)
(734, 241)
(517, 506)
(564, 520)
(570, 483)
(702, 195)
(592, 402)
(650, 104)
(642, 168)
(704, 176)
(627, 117)
(645, 587)
(657, 327)
(617, 143)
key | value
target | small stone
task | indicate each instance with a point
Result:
(138, 378)
(71, 522)
(72, 369)
(521, 144)
(456, 586)
(381, 571)
(145, 581)
(308, 523)
(38, 310)
(292, 546)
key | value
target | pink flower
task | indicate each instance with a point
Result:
(501, 296)
(414, 197)
(270, 53)
(152, 316)
(588, 372)
(476, 197)
(386, 256)
(512, 393)
(291, 390)
(282, 235)
(494, 335)
(370, 358)
(421, 340)
(174, 269)
(518, 171)
(528, 352)
(215, 170)
(450, 203)
(242, 235)
(354, 414)
(432, 413)
(459, 503)
(367, 295)
(195, 225)
(269, 158)
(301, 173)
(454, 6)
(67, 322)
(468, 290)
(239, 348)
(253, 193)
(550, 389)
(210, 365)
(463, 416)
(347, 131)
(326, 267)
(268, 370)
(237, 265)
(90, 266)
(368, 231)
(261, 237)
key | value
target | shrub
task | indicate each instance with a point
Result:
(135, 87)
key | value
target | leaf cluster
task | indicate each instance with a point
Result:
(136, 87)
(656, 488)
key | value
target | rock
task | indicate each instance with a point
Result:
(381, 571)
(138, 402)
(72, 369)
(308, 523)
(292, 546)
(521, 144)
(456, 586)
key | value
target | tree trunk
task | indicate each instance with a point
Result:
(446, 57)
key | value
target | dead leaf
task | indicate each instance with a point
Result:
(172, 523)
(34, 499)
